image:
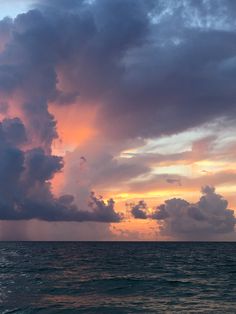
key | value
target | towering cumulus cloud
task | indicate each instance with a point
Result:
(202, 220)
(24, 183)
(33, 47)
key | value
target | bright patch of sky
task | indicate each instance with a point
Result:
(182, 142)
(12, 8)
(174, 170)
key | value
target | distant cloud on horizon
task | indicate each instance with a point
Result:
(208, 219)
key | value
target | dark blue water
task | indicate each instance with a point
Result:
(76, 277)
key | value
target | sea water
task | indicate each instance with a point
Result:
(117, 277)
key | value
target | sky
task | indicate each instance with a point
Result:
(117, 120)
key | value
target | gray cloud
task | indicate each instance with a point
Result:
(173, 181)
(144, 61)
(101, 169)
(207, 219)
(25, 189)
(139, 210)
(13, 131)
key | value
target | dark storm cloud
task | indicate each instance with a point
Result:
(5, 31)
(41, 124)
(103, 211)
(156, 67)
(139, 210)
(40, 167)
(13, 131)
(25, 191)
(205, 219)
(155, 78)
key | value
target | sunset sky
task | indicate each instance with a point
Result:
(117, 120)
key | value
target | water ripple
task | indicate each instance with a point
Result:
(112, 278)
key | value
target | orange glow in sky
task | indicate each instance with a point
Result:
(74, 127)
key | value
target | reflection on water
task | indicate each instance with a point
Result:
(75, 277)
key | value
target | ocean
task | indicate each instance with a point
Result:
(117, 277)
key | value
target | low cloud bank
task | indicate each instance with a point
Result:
(178, 218)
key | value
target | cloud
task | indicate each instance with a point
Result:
(102, 169)
(162, 84)
(139, 210)
(157, 181)
(209, 218)
(25, 189)
(5, 31)
(13, 131)
(148, 66)
(103, 211)
(173, 181)
(155, 76)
